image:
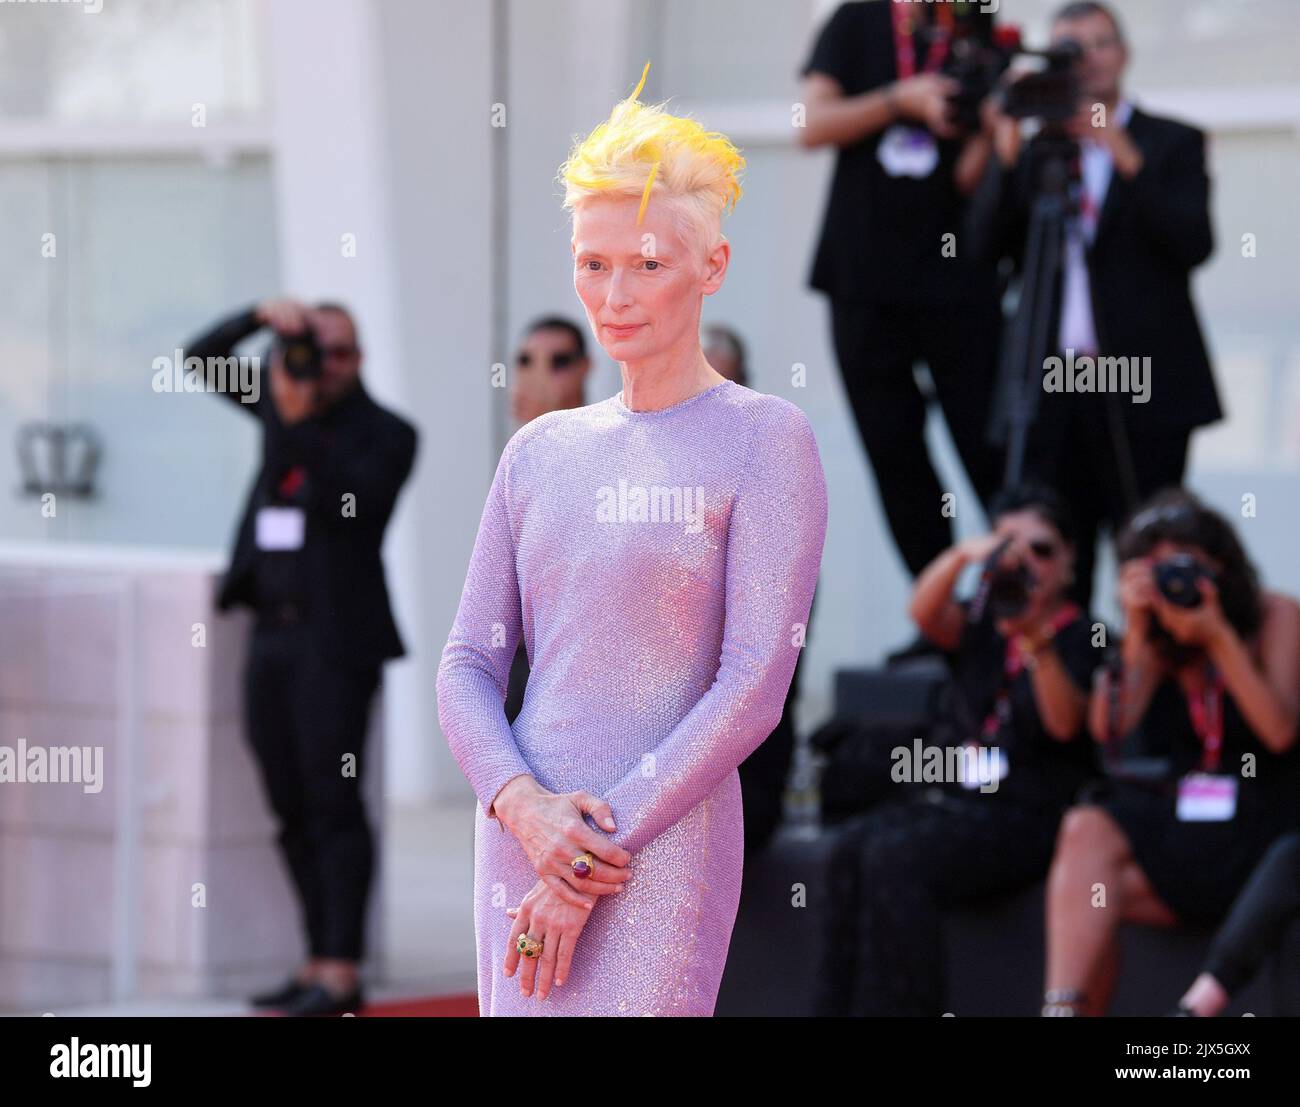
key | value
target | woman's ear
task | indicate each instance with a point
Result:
(716, 266)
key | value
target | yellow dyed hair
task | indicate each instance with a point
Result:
(642, 150)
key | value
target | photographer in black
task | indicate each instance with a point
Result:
(1206, 679)
(902, 283)
(307, 561)
(1021, 657)
(1140, 225)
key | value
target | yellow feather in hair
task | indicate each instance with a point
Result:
(640, 144)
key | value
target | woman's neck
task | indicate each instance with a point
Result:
(653, 386)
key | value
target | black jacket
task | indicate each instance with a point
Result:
(357, 448)
(1152, 232)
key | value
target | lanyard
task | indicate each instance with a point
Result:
(1012, 665)
(1207, 718)
(905, 32)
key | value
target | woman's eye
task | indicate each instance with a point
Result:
(651, 263)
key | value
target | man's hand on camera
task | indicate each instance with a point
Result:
(1124, 152)
(295, 400)
(1002, 129)
(284, 316)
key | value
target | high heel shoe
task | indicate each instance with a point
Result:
(1062, 1001)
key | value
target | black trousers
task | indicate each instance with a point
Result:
(1268, 903)
(305, 714)
(895, 870)
(877, 347)
(1080, 447)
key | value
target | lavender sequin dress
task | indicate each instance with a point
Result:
(660, 566)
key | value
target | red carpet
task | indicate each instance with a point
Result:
(442, 1007)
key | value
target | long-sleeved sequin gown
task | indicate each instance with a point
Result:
(660, 566)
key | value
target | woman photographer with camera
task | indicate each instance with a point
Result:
(1021, 658)
(1207, 679)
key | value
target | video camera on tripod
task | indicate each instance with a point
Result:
(1050, 93)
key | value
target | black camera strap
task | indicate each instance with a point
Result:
(1013, 664)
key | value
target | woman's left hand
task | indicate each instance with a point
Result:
(556, 923)
(1193, 626)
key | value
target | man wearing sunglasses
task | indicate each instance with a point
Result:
(550, 369)
(307, 562)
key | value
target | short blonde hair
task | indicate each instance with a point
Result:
(642, 150)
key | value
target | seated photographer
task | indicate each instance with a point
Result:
(1021, 656)
(1207, 677)
(1268, 904)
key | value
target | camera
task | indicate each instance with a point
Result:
(978, 60)
(1009, 591)
(1178, 580)
(302, 355)
(1005, 590)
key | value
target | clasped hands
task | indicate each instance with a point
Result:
(551, 829)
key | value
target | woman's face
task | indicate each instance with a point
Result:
(642, 286)
(1037, 544)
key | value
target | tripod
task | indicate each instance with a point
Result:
(1054, 175)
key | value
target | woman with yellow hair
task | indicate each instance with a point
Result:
(657, 552)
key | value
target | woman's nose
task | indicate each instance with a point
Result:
(617, 295)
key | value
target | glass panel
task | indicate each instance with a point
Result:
(132, 61)
(149, 252)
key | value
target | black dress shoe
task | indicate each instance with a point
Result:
(316, 1000)
(282, 995)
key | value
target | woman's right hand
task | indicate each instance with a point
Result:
(552, 920)
(551, 829)
(1137, 595)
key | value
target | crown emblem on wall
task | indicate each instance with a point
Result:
(59, 458)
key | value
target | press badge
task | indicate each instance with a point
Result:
(908, 152)
(281, 528)
(1207, 798)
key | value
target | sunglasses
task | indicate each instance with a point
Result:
(1166, 515)
(557, 361)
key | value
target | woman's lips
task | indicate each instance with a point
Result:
(623, 328)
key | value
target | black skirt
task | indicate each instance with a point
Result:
(1196, 868)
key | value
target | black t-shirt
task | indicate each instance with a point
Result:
(1167, 731)
(882, 236)
(1042, 771)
